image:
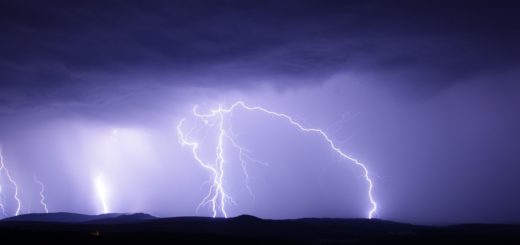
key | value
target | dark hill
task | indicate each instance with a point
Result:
(60, 217)
(123, 218)
(67, 228)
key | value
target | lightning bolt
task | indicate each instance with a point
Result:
(102, 193)
(217, 196)
(42, 194)
(2, 207)
(244, 157)
(11, 180)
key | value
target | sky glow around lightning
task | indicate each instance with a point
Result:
(217, 196)
(42, 194)
(5, 171)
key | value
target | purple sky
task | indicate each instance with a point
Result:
(426, 95)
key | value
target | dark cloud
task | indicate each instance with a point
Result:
(53, 44)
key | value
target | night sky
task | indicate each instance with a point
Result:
(425, 94)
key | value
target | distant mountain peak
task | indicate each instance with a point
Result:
(246, 217)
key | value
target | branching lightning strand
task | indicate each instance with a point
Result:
(217, 195)
(11, 180)
(42, 194)
(2, 207)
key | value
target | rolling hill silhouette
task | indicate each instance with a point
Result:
(62, 217)
(70, 228)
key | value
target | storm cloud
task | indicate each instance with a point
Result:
(60, 44)
(425, 93)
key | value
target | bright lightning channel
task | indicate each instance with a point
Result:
(2, 206)
(217, 196)
(42, 194)
(11, 180)
(102, 193)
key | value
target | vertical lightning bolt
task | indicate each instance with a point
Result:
(217, 196)
(11, 180)
(2, 207)
(42, 194)
(102, 193)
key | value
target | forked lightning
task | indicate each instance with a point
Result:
(217, 196)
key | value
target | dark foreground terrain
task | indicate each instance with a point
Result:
(68, 228)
